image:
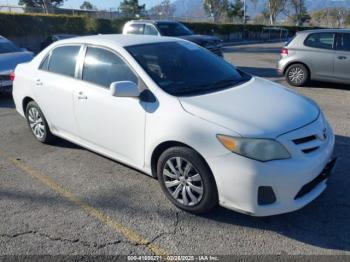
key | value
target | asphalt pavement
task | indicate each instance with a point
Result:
(62, 199)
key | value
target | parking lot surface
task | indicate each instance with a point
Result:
(63, 199)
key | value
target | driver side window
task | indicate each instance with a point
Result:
(103, 67)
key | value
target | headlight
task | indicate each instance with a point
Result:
(259, 149)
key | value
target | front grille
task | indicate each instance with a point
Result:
(310, 186)
(314, 183)
(308, 144)
(310, 150)
(304, 140)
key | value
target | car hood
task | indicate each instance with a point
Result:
(258, 108)
(199, 39)
(9, 61)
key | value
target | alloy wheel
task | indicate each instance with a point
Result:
(36, 123)
(183, 181)
(296, 75)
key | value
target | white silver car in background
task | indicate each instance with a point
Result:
(10, 57)
(210, 133)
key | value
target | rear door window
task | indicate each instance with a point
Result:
(321, 40)
(343, 42)
(63, 60)
(135, 29)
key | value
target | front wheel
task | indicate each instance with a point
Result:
(186, 180)
(297, 75)
(38, 124)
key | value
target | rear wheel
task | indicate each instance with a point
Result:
(186, 180)
(37, 123)
(297, 75)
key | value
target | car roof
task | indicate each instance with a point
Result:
(63, 35)
(118, 40)
(153, 21)
(324, 31)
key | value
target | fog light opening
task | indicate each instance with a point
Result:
(266, 196)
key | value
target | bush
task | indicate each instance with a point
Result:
(15, 25)
(39, 24)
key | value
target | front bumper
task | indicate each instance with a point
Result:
(239, 179)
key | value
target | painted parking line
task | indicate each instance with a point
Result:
(130, 234)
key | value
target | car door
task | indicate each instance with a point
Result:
(342, 57)
(54, 85)
(319, 55)
(112, 125)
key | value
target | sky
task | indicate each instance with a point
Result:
(101, 4)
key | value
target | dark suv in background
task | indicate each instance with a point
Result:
(174, 29)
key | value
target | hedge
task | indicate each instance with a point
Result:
(15, 25)
(225, 29)
(41, 25)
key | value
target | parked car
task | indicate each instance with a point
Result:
(209, 132)
(322, 55)
(10, 56)
(175, 29)
(54, 38)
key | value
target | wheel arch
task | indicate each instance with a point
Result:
(26, 100)
(166, 145)
(294, 63)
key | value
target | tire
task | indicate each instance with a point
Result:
(196, 181)
(38, 124)
(297, 75)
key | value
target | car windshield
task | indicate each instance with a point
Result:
(173, 29)
(185, 69)
(8, 47)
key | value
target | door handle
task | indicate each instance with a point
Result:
(81, 96)
(342, 57)
(38, 82)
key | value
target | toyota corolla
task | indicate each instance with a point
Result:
(210, 133)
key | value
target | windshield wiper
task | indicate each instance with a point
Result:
(203, 89)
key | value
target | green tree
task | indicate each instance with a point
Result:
(274, 8)
(46, 5)
(330, 17)
(132, 8)
(236, 10)
(216, 8)
(299, 12)
(87, 6)
(164, 10)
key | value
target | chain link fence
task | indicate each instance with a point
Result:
(112, 13)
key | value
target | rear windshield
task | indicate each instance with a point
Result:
(185, 69)
(8, 47)
(290, 40)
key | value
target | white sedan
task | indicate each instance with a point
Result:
(211, 134)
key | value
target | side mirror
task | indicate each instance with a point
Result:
(124, 89)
